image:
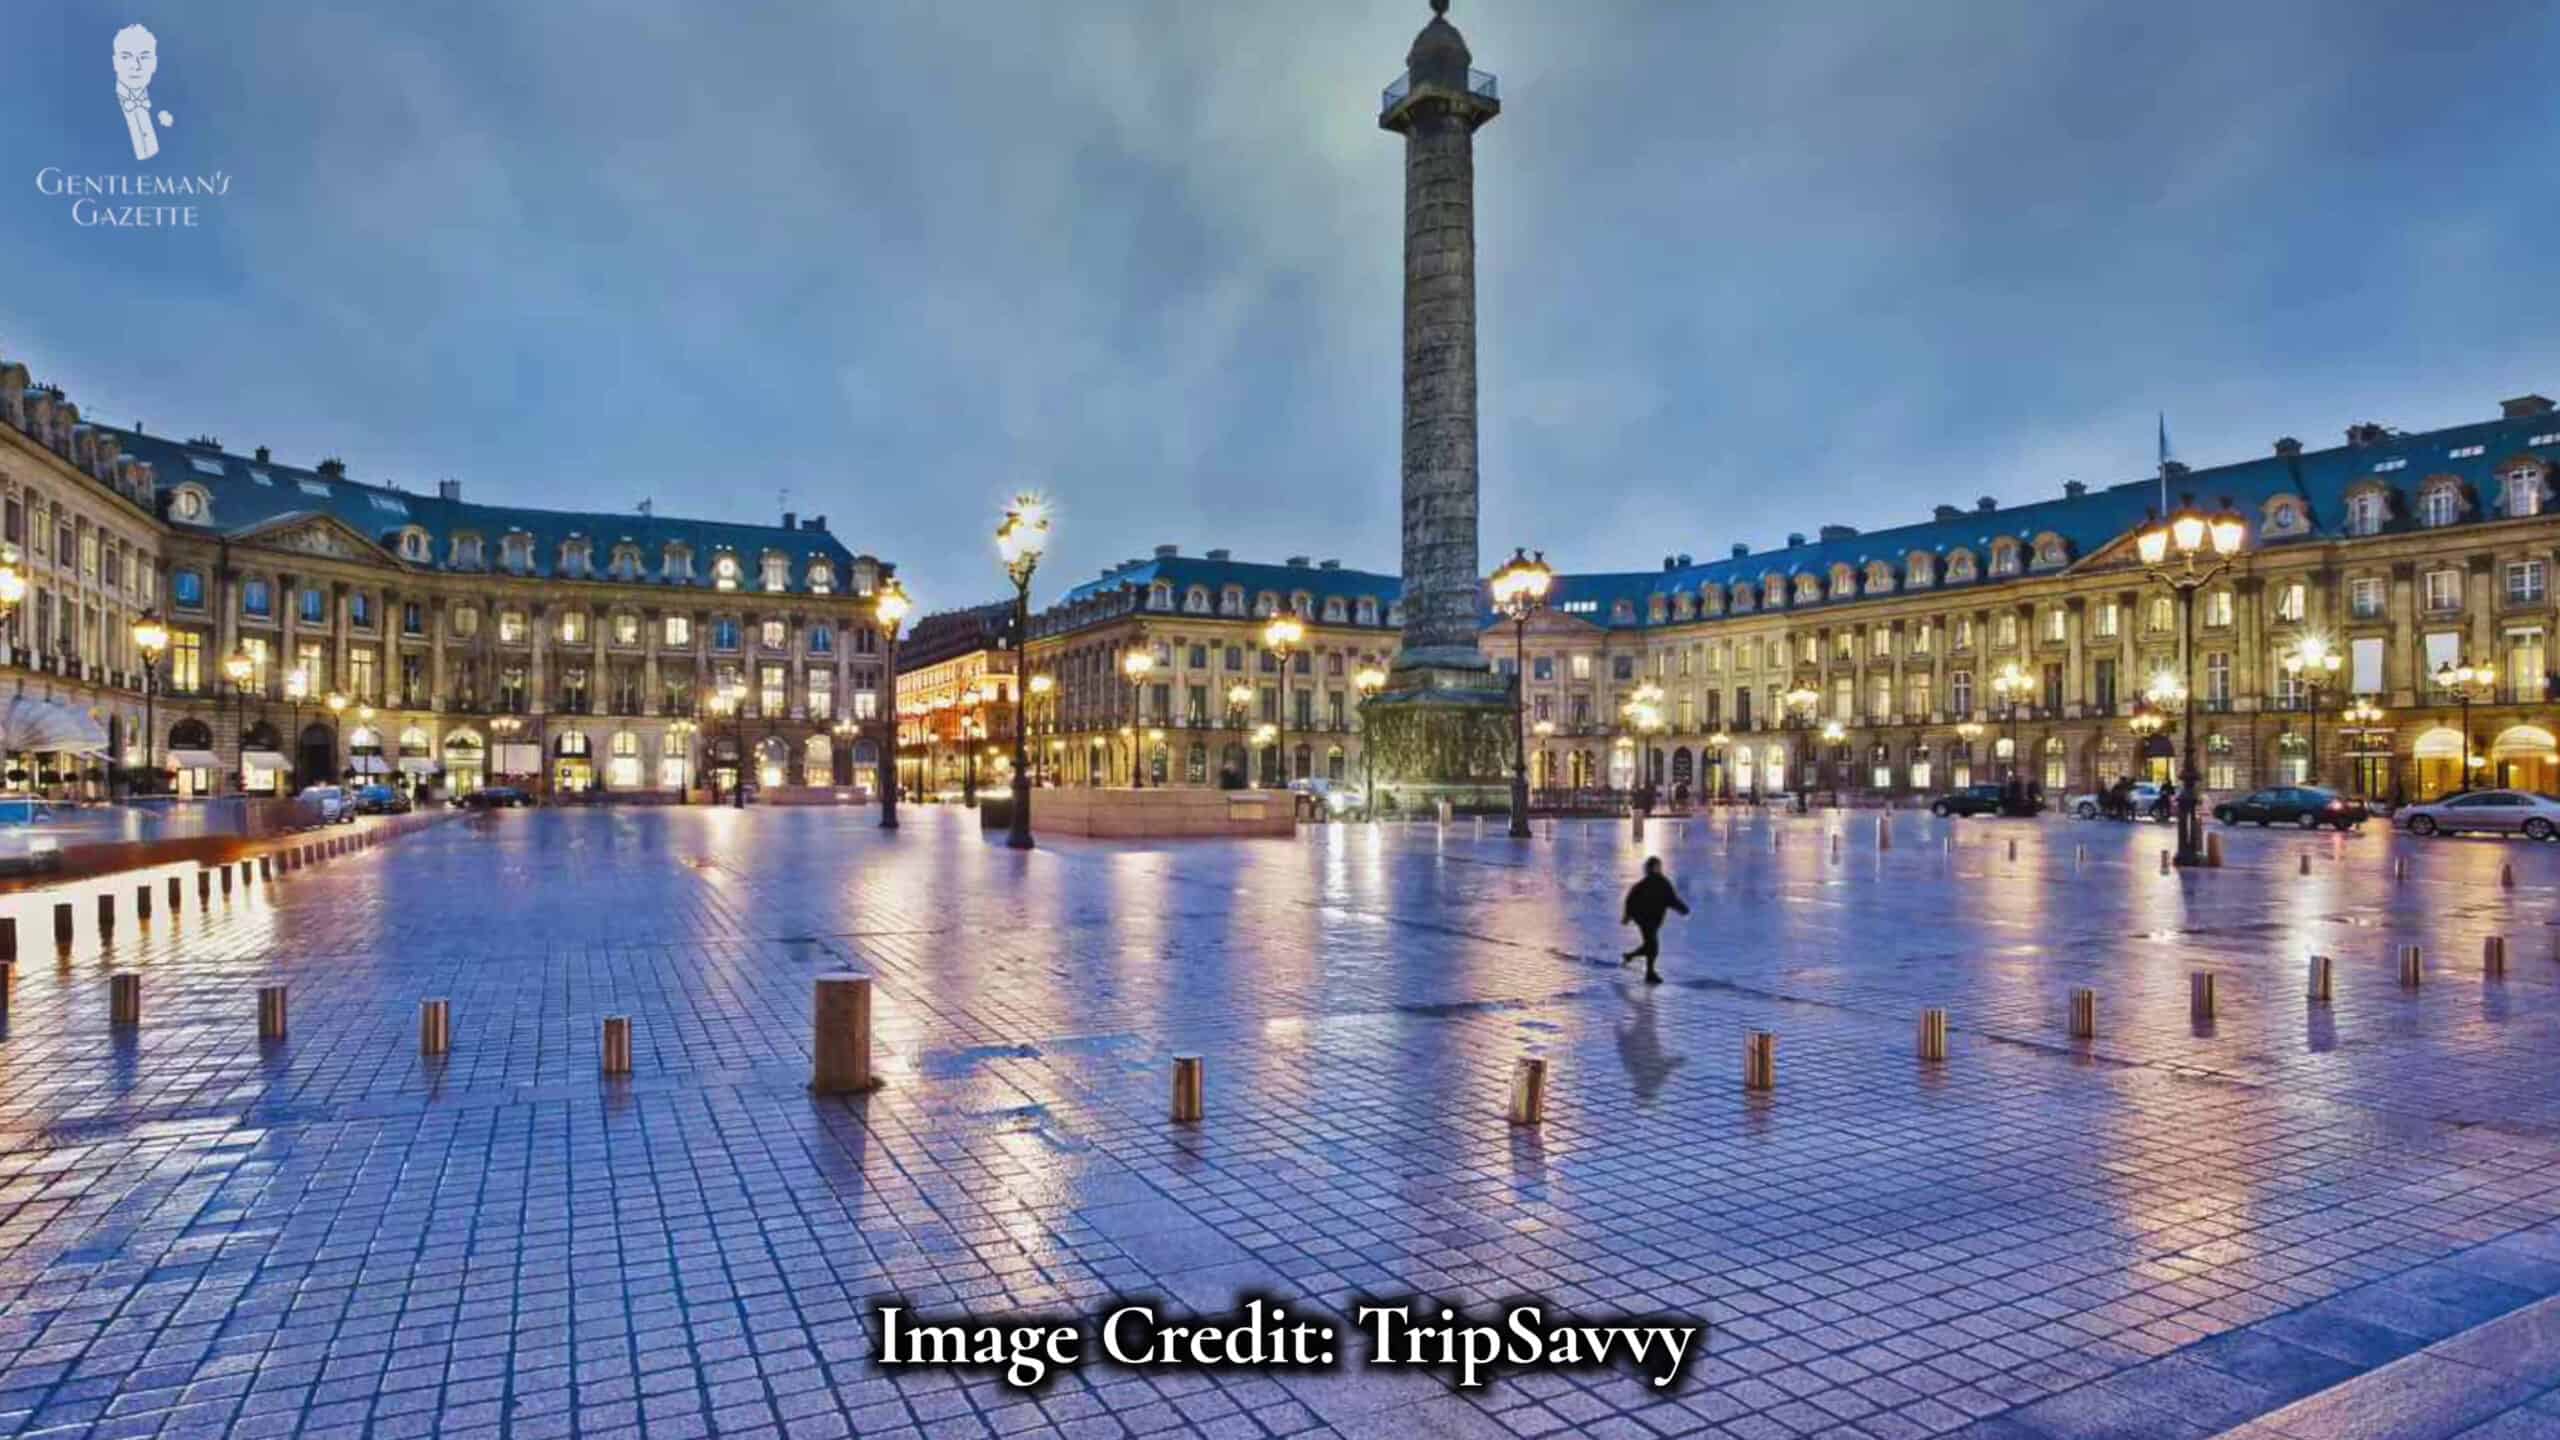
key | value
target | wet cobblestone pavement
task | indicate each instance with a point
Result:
(2291, 1217)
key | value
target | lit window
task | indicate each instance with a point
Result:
(2384, 465)
(2524, 582)
(2466, 452)
(2289, 602)
(777, 572)
(2439, 506)
(2364, 598)
(510, 627)
(2444, 589)
(679, 630)
(2217, 608)
(2524, 492)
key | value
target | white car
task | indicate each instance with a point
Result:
(2512, 812)
(2089, 807)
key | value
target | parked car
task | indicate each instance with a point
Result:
(496, 797)
(2147, 804)
(381, 800)
(2515, 812)
(1971, 800)
(2305, 805)
(325, 805)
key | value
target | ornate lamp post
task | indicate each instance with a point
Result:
(1020, 539)
(239, 669)
(1281, 635)
(1833, 733)
(151, 641)
(2185, 552)
(2361, 718)
(337, 703)
(1369, 680)
(1136, 666)
(1519, 592)
(2313, 664)
(1800, 703)
(1717, 744)
(1643, 712)
(1041, 688)
(2010, 688)
(1240, 710)
(1266, 737)
(2467, 682)
(890, 605)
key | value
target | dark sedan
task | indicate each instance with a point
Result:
(1971, 800)
(2303, 805)
(496, 797)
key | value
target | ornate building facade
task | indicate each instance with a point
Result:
(957, 702)
(1985, 642)
(320, 626)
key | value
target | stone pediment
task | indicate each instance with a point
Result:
(312, 533)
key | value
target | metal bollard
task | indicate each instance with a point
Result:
(141, 902)
(270, 1012)
(2399, 867)
(62, 925)
(177, 894)
(617, 1044)
(2013, 847)
(9, 941)
(2084, 1014)
(226, 880)
(435, 1027)
(2164, 862)
(1760, 1061)
(1884, 833)
(2213, 850)
(266, 867)
(2305, 867)
(2412, 967)
(1933, 1034)
(2079, 854)
(1835, 847)
(842, 1060)
(1639, 824)
(2493, 957)
(124, 998)
(2506, 876)
(204, 887)
(106, 918)
(1529, 1090)
(2200, 1004)
(1947, 846)
(1479, 827)
(1190, 1088)
(2322, 988)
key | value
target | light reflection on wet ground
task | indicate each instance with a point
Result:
(1881, 1243)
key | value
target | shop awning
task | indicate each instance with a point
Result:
(195, 760)
(417, 765)
(519, 759)
(368, 765)
(264, 760)
(44, 727)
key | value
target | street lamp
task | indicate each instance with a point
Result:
(1020, 539)
(1281, 635)
(1717, 744)
(2466, 682)
(2186, 552)
(2313, 663)
(1137, 665)
(1519, 592)
(2010, 688)
(1833, 733)
(1040, 687)
(1369, 680)
(1643, 713)
(1800, 703)
(238, 668)
(151, 639)
(890, 606)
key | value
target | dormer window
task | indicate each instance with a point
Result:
(724, 572)
(677, 564)
(1195, 601)
(1844, 582)
(1744, 597)
(2365, 511)
(1879, 578)
(1960, 566)
(777, 573)
(517, 552)
(189, 504)
(822, 578)
(626, 562)
(2439, 505)
(2004, 557)
(414, 546)
(2285, 516)
(2050, 552)
(1333, 611)
(1160, 595)
(1808, 590)
(1231, 600)
(2523, 492)
(1265, 605)
(1774, 591)
(1395, 614)
(466, 551)
(573, 559)
(1366, 612)
(1621, 612)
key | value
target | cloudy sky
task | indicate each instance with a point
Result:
(1745, 268)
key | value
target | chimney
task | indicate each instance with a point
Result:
(2366, 433)
(1741, 551)
(2287, 446)
(1838, 532)
(1299, 562)
(334, 468)
(1329, 565)
(452, 490)
(1685, 561)
(1945, 512)
(2073, 489)
(1670, 562)
(818, 523)
(1795, 538)
(262, 454)
(1167, 552)
(1986, 504)
(1222, 554)
(790, 520)
(2524, 407)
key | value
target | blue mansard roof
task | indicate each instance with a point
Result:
(243, 495)
(1213, 573)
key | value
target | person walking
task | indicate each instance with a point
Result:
(1649, 900)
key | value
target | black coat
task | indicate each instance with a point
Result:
(1649, 899)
